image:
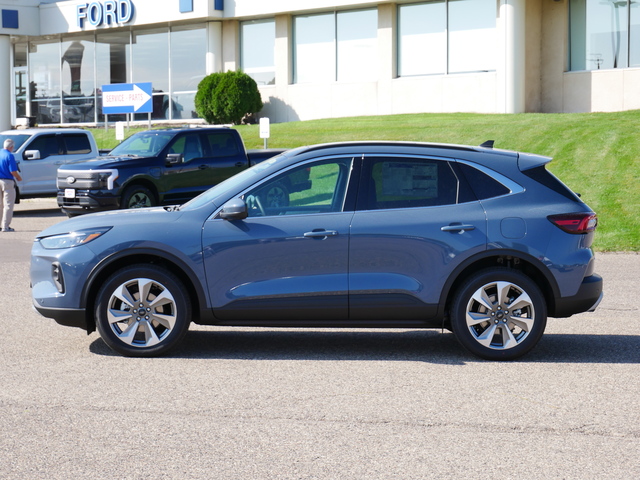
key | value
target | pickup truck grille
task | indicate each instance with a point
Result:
(86, 179)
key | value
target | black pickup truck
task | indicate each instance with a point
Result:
(160, 167)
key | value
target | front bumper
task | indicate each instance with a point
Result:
(86, 201)
(69, 317)
(586, 300)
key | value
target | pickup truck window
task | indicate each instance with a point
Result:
(18, 140)
(47, 145)
(189, 146)
(77, 144)
(223, 144)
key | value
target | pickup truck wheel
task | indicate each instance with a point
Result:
(277, 195)
(498, 314)
(142, 311)
(137, 196)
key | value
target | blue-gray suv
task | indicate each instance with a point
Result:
(484, 242)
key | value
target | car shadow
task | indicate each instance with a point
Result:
(432, 346)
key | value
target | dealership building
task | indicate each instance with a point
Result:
(320, 58)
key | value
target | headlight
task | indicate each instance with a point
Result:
(72, 239)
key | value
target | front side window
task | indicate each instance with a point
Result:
(315, 188)
(47, 145)
(604, 34)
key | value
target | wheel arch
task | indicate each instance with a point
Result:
(140, 181)
(526, 264)
(197, 296)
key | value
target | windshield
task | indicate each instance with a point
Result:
(226, 188)
(18, 140)
(143, 144)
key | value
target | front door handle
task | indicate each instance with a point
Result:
(203, 167)
(457, 228)
(321, 234)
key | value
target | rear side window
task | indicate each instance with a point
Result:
(482, 184)
(77, 144)
(408, 183)
(47, 145)
(549, 180)
(223, 144)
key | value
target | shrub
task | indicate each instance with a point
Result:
(227, 97)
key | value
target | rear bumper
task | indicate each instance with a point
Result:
(586, 300)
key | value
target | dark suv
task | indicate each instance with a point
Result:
(483, 242)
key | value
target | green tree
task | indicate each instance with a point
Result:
(227, 97)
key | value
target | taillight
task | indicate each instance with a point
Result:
(576, 223)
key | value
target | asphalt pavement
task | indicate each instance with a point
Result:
(250, 403)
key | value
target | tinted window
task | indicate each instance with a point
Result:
(482, 184)
(549, 180)
(46, 144)
(187, 145)
(408, 183)
(223, 144)
(316, 188)
(77, 144)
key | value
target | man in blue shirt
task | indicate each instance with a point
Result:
(8, 176)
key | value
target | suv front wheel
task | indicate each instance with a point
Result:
(142, 311)
(498, 314)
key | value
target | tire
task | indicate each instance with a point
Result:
(498, 314)
(276, 196)
(137, 196)
(147, 325)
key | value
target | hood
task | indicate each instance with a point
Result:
(109, 161)
(114, 218)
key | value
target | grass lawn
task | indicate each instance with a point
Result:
(595, 154)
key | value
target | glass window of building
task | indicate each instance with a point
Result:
(422, 39)
(604, 34)
(77, 80)
(336, 46)
(357, 37)
(452, 36)
(112, 63)
(150, 63)
(188, 67)
(472, 35)
(257, 50)
(314, 48)
(44, 81)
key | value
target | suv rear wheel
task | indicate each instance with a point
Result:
(498, 314)
(142, 311)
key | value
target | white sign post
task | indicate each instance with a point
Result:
(119, 131)
(264, 130)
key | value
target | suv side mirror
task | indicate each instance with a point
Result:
(174, 158)
(31, 155)
(234, 209)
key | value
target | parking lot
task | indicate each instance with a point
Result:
(249, 403)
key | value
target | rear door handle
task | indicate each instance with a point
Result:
(457, 228)
(321, 234)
